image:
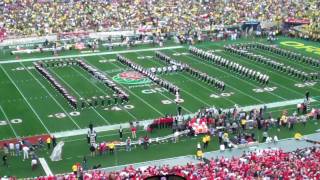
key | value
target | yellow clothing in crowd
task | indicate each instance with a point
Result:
(199, 154)
(48, 140)
(74, 168)
(206, 138)
(297, 136)
(111, 145)
(243, 121)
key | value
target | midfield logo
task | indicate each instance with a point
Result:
(131, 77)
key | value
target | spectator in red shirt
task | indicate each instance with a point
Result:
(134, 132)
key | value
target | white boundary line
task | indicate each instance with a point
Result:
(37, 115)
(45, 166)
(142, 123)
(86, 55)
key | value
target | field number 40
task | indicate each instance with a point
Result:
(12, 121)
(266, 89)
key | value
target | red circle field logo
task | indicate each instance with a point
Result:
(131, 77)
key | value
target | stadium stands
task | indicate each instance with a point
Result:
(46, 17)
(273, 164)
(2, 34)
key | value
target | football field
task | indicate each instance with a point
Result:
(29, 105)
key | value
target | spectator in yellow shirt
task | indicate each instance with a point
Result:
(74, 169)
(48, 142)
(206, 140)
(111, 147)
(243, 123)
(199, 154)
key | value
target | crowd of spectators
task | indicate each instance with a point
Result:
(273, 164)
(3, 34)
(40, 17)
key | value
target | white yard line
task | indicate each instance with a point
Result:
(273, 72)
(101, 90)
(133, 93)
(34, 111)
(45, 167)
(164, 94)
(196, 83)
(276, 58)
(51, 96)
(86, 55)
(200, 100)
(228, 85)
(77, 94)
(293, 79)
(243, 81)
(8, 121)
(142, 123)
(205, 87)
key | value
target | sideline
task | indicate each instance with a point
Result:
(45, 167)
(145, 122)
(86, 55)
(235, 152)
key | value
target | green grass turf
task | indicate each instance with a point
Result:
(25, 95)
(44, 107)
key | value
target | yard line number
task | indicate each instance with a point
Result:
(12, 121)
(154, 90)
(265, 89)
(76, 113)
(144, 57)
(22, 68)
(117, 108)
(167, 101)
(63, 115)
(221, 95)
(180, 54)
(107, 60)
(306, 84)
